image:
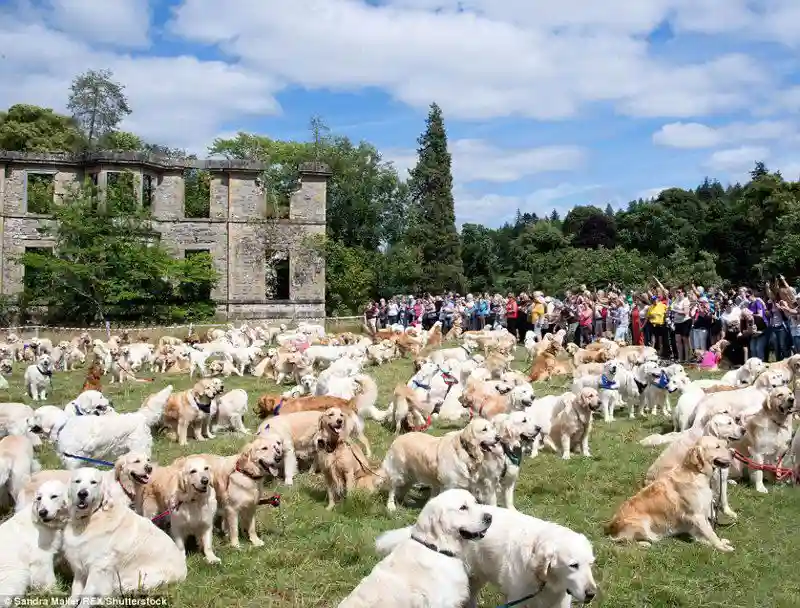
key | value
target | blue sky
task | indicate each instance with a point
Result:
(548, 105)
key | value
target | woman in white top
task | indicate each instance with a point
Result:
(683, 324)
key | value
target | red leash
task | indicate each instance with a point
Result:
(780, 472)
(423, 427)
(273, 501)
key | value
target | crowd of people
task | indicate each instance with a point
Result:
(680, 322)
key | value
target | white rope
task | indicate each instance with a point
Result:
(108, 328)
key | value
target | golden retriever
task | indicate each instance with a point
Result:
(428, 568)
(767, 435)
(450, 461)
(342, 464)
(678, 502)
(571, 423)
(192, 408)
(125, 481)
(238, 481)
(298, 431)
(110, 549)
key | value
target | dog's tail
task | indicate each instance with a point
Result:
(364, 401)
(153, 407)
(387, 541)
(654, 440)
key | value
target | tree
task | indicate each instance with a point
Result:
(107, 264)
(98, 104)
(27, 128)
(479, 257)
(433, 221)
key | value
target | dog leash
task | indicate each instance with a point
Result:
(522, 599)
(780, 472)
(102, 463)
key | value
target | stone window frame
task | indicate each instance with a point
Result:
(268, 280)
(52, 173)
(154, 183)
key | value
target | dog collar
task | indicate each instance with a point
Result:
(250, 475)
(433, 547)
(44, 372)
(662, 381)
(278, 407)
(640, 385)
(205, 408)
(418, 384)
(514, 456)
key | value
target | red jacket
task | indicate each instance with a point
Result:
(511, 309)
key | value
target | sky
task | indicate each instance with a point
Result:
(547, 104)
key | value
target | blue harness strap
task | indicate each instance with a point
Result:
(662, 381)
(607, 384)
(278, 407)
(418, 384)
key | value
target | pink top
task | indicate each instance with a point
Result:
(709, 360)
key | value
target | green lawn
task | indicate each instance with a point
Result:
(313, 558)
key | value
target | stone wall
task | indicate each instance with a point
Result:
(237, 233)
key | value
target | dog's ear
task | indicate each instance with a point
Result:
(695, 459)
(183, 481)
(106, 493)
(543, 558)
(469, 442)
(246, 464)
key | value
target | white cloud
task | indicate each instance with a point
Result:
(476, 160)
(178, 101)
(123, 23)
(495, 209)
(737, 161)
(697, 135)
(507, 60)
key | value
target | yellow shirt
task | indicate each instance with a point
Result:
(657, 313)
(536, 312)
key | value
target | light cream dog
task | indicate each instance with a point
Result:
(450, 461)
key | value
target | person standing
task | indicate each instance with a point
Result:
(512, 309)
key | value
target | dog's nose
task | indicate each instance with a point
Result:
(487, 518)
(538, 429)
(83, 494)
(590, 594)
(42, 512)
(148, 469)
(204, 481)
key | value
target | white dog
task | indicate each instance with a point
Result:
(110, 549)
(231, 408)
(30, 541)
(38, 378)
(195, 506)
(110, 436)
(533, 562)
(17, 464)
(605, 384)
(426, 567)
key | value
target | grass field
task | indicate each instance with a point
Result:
(313, 558)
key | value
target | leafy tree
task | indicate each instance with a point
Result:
(351, 277)
(479, 257)
(98, 104)
(108, 264)
(433, 221)
(27, 128)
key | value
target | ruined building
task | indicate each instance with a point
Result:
(268, 265)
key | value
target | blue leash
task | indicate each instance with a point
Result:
(102, 463)
(522, 599)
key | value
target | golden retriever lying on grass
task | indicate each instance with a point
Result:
(678, 502)
(342, 464)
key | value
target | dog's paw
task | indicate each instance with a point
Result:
(762, 490)
(257, 542)
(645, 543)
(726, 545)
(733, 482)
(213, 559)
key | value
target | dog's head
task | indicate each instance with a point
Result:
(563, 562)
(780, 401)
(451, 519)
(218, 385)
(50, 505)
(45, 364)
(133, 466)
(92, 403)
(308, 382)
(333, 421)
(205, 390)
(262, 456)
(588, 400)
(479, 436)
(724, 426)
(195, 476)
(572, 348)
(522, 396)
(610, 369)
(267, 403)
(707, 454)
(520, 429)
(678, 382)
(752, 368)
(88, 492)
(769, 379)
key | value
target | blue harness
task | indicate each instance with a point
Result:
(607, 384)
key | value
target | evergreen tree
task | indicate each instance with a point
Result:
(433, 226)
